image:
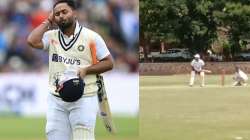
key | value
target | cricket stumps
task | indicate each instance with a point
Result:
(222, 77)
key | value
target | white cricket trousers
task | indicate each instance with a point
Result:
(64, 117)
(239, 81)
(202, 75)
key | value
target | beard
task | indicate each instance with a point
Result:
(65, 24)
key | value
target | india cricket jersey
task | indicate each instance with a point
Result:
(68, 54)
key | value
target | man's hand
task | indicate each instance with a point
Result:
(102, 66)
(35, 37)
(51, 19)
(82, 72)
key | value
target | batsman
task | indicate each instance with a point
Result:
(197, 65)
(76, 56)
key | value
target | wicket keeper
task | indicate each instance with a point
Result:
(240, 78)
(72, 48)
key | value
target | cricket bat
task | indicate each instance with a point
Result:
(207, 71)
(105, 112)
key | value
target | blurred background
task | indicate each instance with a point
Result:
(24, 71)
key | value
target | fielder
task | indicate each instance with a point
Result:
(197, 65)
(73, 49)
(240, 77)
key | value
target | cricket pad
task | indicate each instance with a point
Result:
(72, 90)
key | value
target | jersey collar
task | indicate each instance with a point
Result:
(77, 30)
(61, 36)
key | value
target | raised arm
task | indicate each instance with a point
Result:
(35, 37)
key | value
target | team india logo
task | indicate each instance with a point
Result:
(80, 48)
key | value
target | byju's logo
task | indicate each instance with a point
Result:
(65, 60)
(55, 57)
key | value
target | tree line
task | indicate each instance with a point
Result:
(196, 24)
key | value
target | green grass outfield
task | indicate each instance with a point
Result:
(19, 128)
(171, 110)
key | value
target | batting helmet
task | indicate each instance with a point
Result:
(72, 90)
(196, 56)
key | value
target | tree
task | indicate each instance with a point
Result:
(181, 21)
(194, 24)
(235, 16)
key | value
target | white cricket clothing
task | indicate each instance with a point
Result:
(72, 53)
(241, 75)
(66, 56)
(192, 78)
(83, 133)
(197, 65)
(64, 117)
(101, 48)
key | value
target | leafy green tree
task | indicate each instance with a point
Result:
(235, 16)
(194, 24)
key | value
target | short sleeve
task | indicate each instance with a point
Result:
(45, 41)
(202, 63)
(192, 63)
(101, 48)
